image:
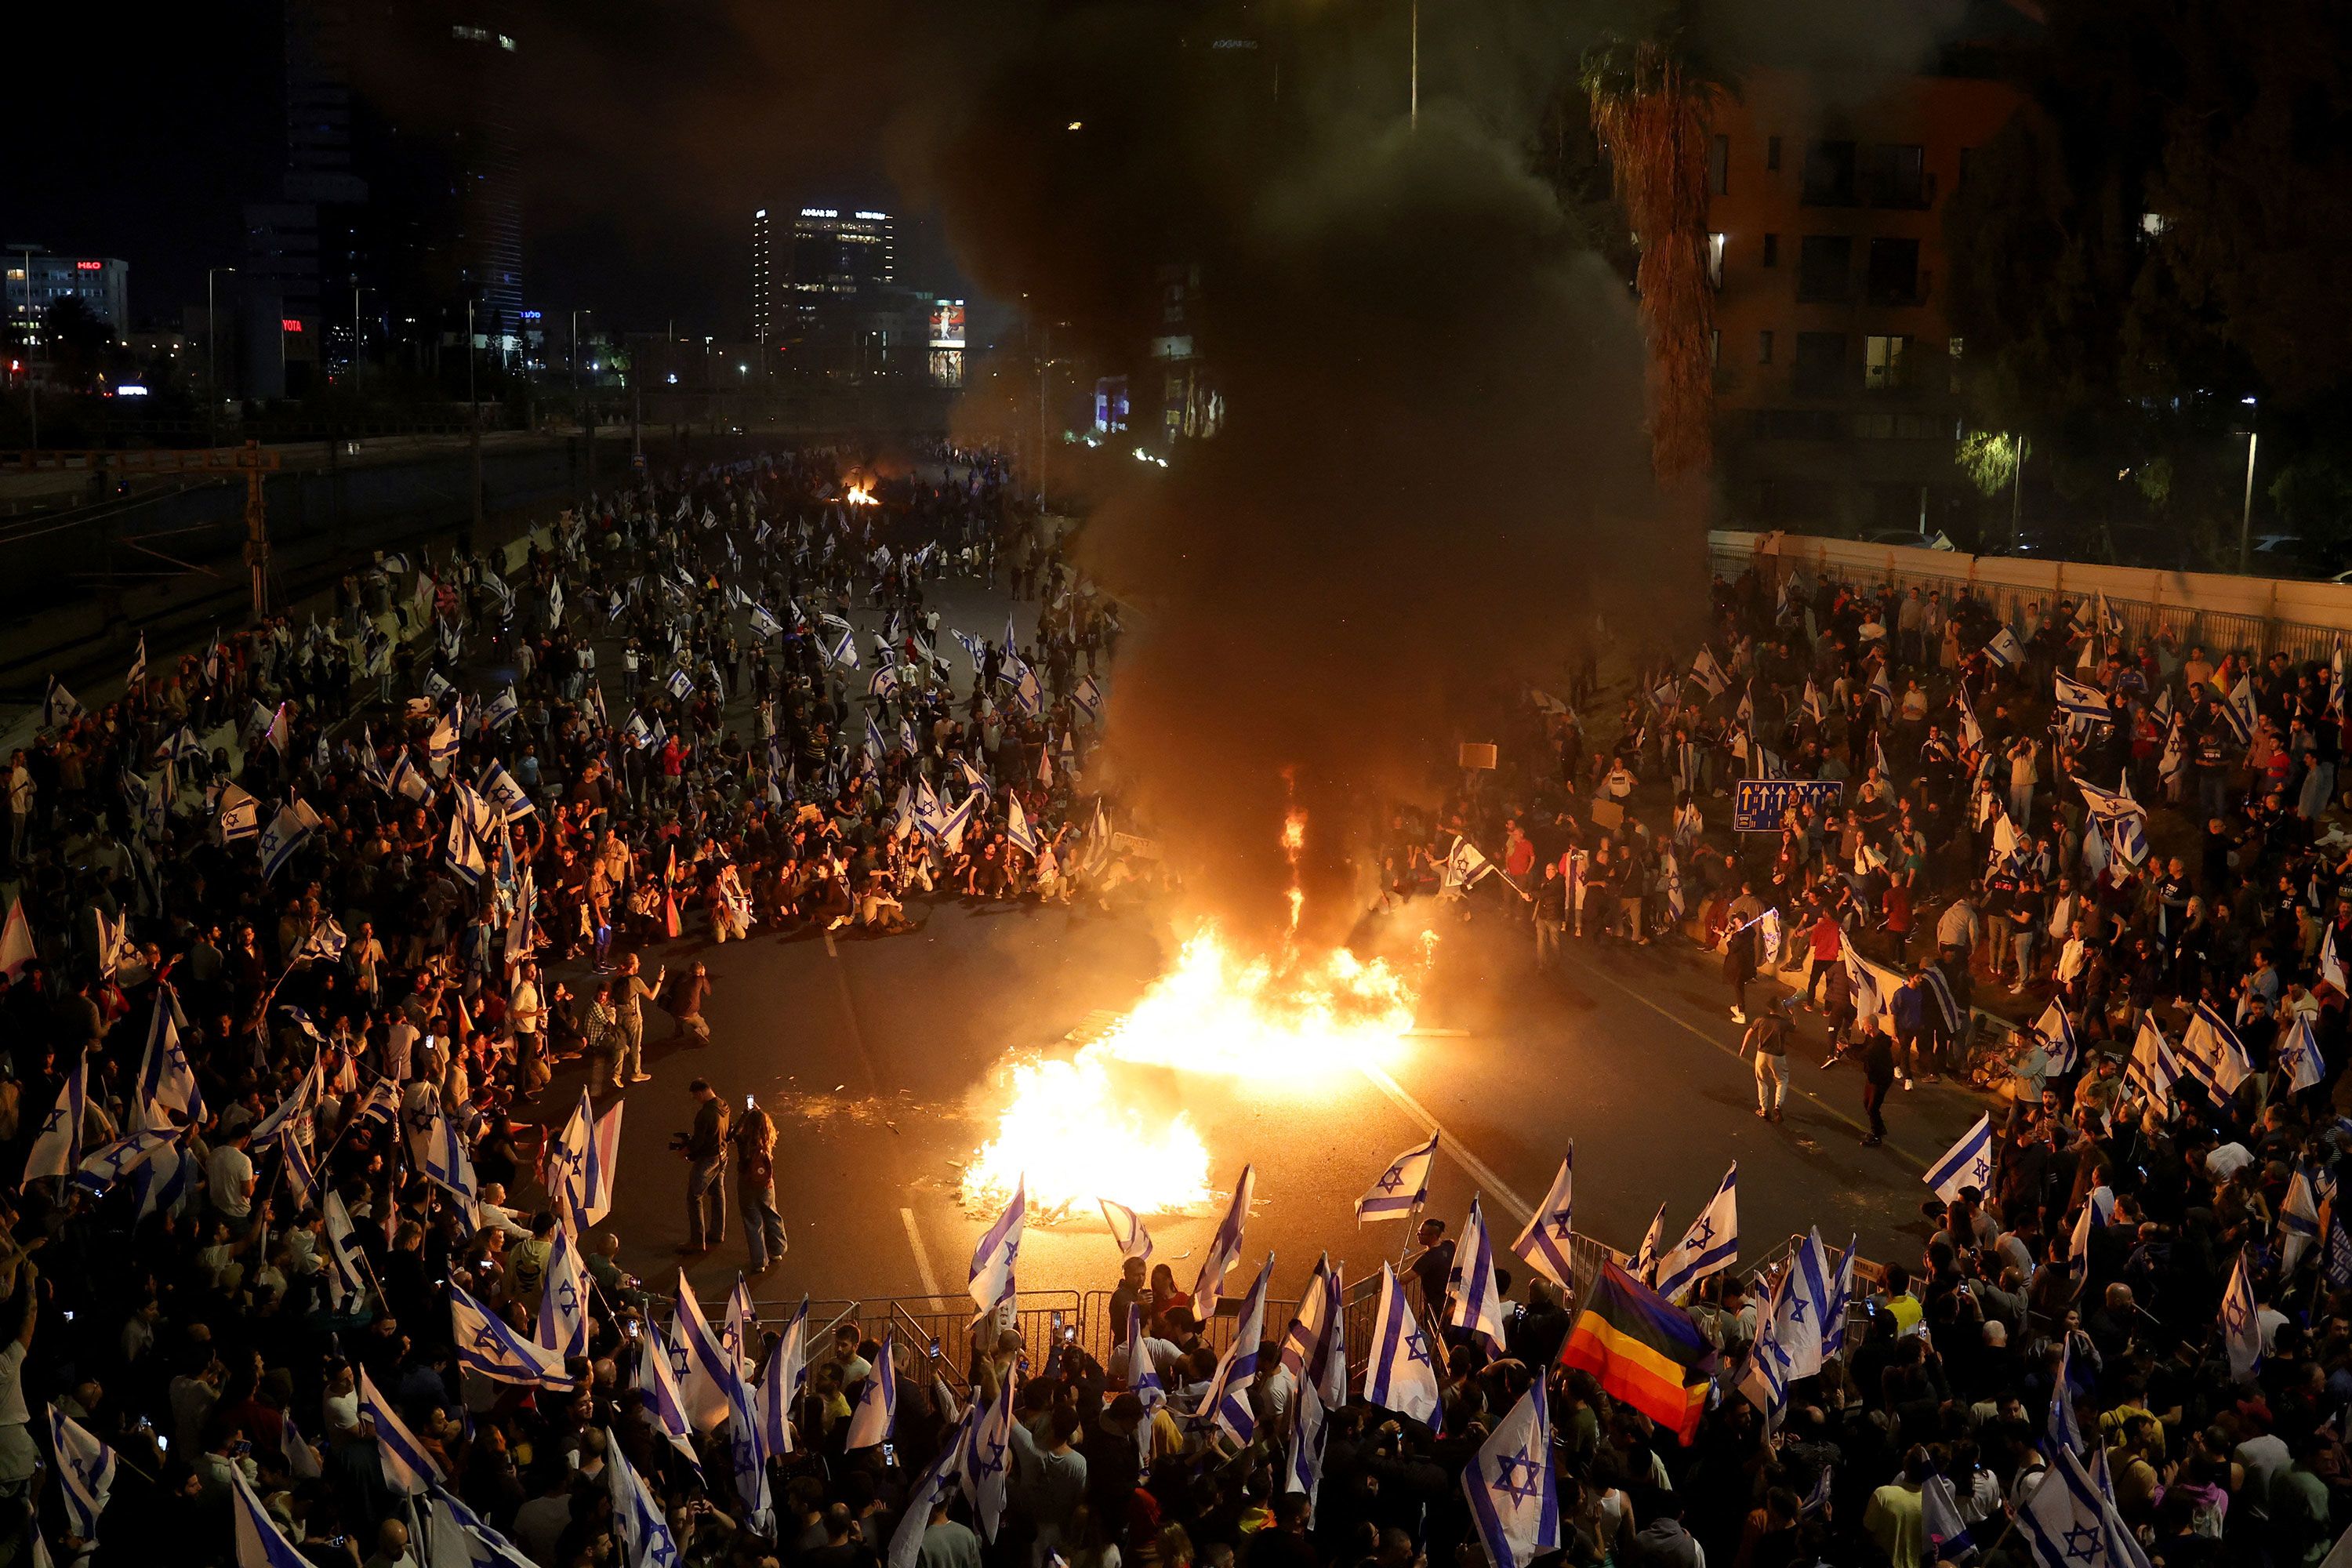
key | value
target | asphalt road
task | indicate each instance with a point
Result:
(877, 1057)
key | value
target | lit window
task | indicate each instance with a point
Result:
(1881, 362)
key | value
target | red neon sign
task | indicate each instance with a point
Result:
(288, 324)
(91, 265)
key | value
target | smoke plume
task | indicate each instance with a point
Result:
(1430, 461)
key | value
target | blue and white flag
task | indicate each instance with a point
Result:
(1127, 1230)
(138, 665)
(2298, 1054)
(1133, 1365)
(2004, 650)
(1477, 1302)
(1513, 1499)
(2239, 710)
(241, 816)
(2067, 1523)
(1790, 1329)
(1016, 827)
(1967, 1163)
(1840, 1300)
(878, 1406)
(85, 1473)
(326, 941)
(930, 1488)
(56, 1148)
(1087, 697)
(681, 684)
(2057, 1032)
(508, 798)
(166, 1081)
(563, 1297)
(1314, 1347)
(768, 628)
(1402, 1187)
(1707, 673)
(484, 1547)
(1948, 1538)
(787, 1371)
(637, 1515)
(2242, 1327)
(2078, 700)
(288, 832)
(1227, 1401)
(1224, 1247)
(1654, 1242)
(502, 710)
(986, 1464)
(1544, 1245)
(408, 1467)
(301, 1460)
(882, 684)
(842, 654)
(259, 1542)
(2098, 1210)
(2298, 1223)
(1026, 690)
(1401, 1374)
(1302, 1469)
(707, 1383)
(657, 1365)
(466, 857)
(2213, 1053)
(993, 1260)
(59, 706)
(2154, 1068)
(488, 1346)
(2331, 962)
(122, 1157)
(1709, 1247)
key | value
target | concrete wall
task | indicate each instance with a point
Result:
(2302, 618)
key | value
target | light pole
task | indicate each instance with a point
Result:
(32, 331)
(1412, 100)
(2246, 515)
(1044, 373)
(359, 341)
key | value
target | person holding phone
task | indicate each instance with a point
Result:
(754, 1137)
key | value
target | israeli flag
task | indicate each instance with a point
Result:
(1318, 1334)
(1027, 692)
(2298, 1223)
(503, 709)
(1708, 1246)
(288, 832)
(1133, 1364)
(466, 857)
(882, 684)
(326, 940)
(842, 654)
(58, 707)
(1882, 691)
(259, 1542)
(1477, 1302)
(301, 1460)
(2099, 1211)
(486, 1346)
(878, 1407)
(2078, 700)
(2241, 1327)
(637, 1515)
(986, 1466)
(2300, 1054)
(2004, 650)
(1086, 698)
(241, 816)
(787, 1371)
(166, 1081)
(993, 1260)
(1841, 1298)
(1017, 828)
(1227, 1401)
(658, 1382)
(111, 1161)
(931, 1487)
(1707, 673)
(601, 1170)
(1543, 1245)
(1464, 865)
(1794, 1321)
(711, 1370)
(2213, 1053)
(56, 1148)
(1224, 1247)
(1302, 1469)
(2239, 710)
(484, 1547)
(85, 1473)
(907, 738)
(2068, 1522)
(289, 1114)
(973, 648)
(1403, 1187)
(2057, 1031)
(1126, 1229)
(408, 1467)
(1513, 1499)
(1967, 1163)
(508, 798)
(1948, 1537)
(1402, 1373)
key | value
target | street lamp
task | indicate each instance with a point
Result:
(2246, 516)
(212, 359)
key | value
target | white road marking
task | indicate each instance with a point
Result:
(922, 1257)
(831, 951)
(1493, 1185)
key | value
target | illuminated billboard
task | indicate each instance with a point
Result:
(947, 323)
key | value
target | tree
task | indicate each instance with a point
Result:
(1651, 99)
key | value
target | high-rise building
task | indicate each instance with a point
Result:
(842, 253)
(763, 282)
(37, 280)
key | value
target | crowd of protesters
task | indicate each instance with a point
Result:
(307, 903)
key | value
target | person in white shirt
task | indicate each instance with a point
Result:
(228, 1179)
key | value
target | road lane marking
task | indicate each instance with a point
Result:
(1787, 1078)
(831, 951)
(1480, 1171)
(922, 1256)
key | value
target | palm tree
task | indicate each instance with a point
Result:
(1652, 98)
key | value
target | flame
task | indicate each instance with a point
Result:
(1071, 1131)
(860, 495)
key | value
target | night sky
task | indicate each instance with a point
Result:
(649, 134)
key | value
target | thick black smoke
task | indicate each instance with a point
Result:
(1431, 460)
